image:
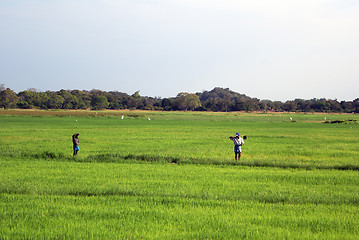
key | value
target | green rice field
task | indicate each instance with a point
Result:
(172, 175)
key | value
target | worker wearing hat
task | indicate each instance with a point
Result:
(238, 142)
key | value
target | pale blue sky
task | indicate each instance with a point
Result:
(269, 49)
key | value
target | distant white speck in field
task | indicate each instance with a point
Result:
(149, 119)
(122, 117)
(291, 118)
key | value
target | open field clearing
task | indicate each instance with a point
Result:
(273, 139)
(174, 176)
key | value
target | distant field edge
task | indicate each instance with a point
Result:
(110, 112)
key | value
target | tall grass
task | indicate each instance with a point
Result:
(157, 201)
(187, 181)
(120, 217)
(273, 140)
(175, 177)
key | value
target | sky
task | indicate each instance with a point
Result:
(269, 49)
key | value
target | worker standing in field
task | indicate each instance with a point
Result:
(75, 141)
(238, 142)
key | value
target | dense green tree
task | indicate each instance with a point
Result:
(218, 99)
(134, 101)
(187, 101)
(8, 98)
(99, 102)
(146, 103)
(83, 99)
(27, 96)
(55, 101)
(136, 95)
(265, 105)
(356, 105)
(167, 104)
(290, 106)
(334, 105)
(70, 101)
(23, 105)
(117, 100)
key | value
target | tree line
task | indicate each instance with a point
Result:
(217, 100)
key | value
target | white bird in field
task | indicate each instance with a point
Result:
(149, 119)
(122, 117)
(291, 118)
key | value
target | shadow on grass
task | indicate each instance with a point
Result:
(132, 158)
